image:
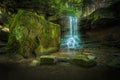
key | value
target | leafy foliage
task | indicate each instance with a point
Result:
(47, 7)
(52, 7)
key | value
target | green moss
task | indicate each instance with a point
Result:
(31, 34)
(41, 50)
(83, 60)
(47, 60)
(19, 32)
(50, 41)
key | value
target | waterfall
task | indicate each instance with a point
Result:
(72, 39)
(73, 26)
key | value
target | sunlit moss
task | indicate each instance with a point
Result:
(19, 33)
(53, 33)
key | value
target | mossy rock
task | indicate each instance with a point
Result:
(83, 60)
(32, 35)
(47, 60)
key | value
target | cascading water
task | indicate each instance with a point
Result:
(72, 40)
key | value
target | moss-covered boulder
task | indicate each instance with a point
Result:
(47, 60)
(84, 60)
(31, 34)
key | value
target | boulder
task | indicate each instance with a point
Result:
(32, 35)
(84, 60)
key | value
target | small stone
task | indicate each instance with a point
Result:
(34, 63)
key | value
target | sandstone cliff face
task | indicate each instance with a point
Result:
(103, 25)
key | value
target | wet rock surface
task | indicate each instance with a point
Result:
(4, 34)
(2, 46)
(103, 25)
